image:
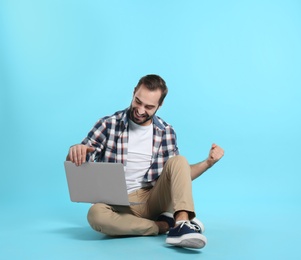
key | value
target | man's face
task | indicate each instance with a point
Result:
(144, 105)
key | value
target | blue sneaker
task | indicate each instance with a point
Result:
(186, 235)
(167, 217)
(199, 225)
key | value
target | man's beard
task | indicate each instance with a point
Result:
(145, 118)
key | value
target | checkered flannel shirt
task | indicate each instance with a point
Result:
(109, 137)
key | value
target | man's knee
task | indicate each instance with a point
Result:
(177, 165)
(178, 160)
(95, 215)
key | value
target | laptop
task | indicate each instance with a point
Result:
(94, 182)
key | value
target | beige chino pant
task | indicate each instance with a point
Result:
(172, 192)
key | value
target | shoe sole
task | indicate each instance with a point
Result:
(188, 240)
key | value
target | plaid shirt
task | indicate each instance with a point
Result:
(110, 138)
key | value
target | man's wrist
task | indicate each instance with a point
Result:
(209, 163)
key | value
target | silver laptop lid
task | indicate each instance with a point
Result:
(97, 183)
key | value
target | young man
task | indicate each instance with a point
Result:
(157, 177)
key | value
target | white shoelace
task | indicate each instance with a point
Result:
(188, 224)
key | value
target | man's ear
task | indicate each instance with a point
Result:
(134, 91)
(160, 105)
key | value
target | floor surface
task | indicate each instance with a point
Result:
(236, 228)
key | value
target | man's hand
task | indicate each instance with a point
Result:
(77, 153)
(215, 154)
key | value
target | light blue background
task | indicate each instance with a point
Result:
(233, 71)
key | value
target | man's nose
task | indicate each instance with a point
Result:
(141, 111)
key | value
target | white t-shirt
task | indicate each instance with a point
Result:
(139, 156)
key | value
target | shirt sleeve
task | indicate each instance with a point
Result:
(97, 138)
(171, 142)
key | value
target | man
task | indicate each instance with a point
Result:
(157, 177)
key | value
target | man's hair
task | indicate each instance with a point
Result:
(153, 82)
